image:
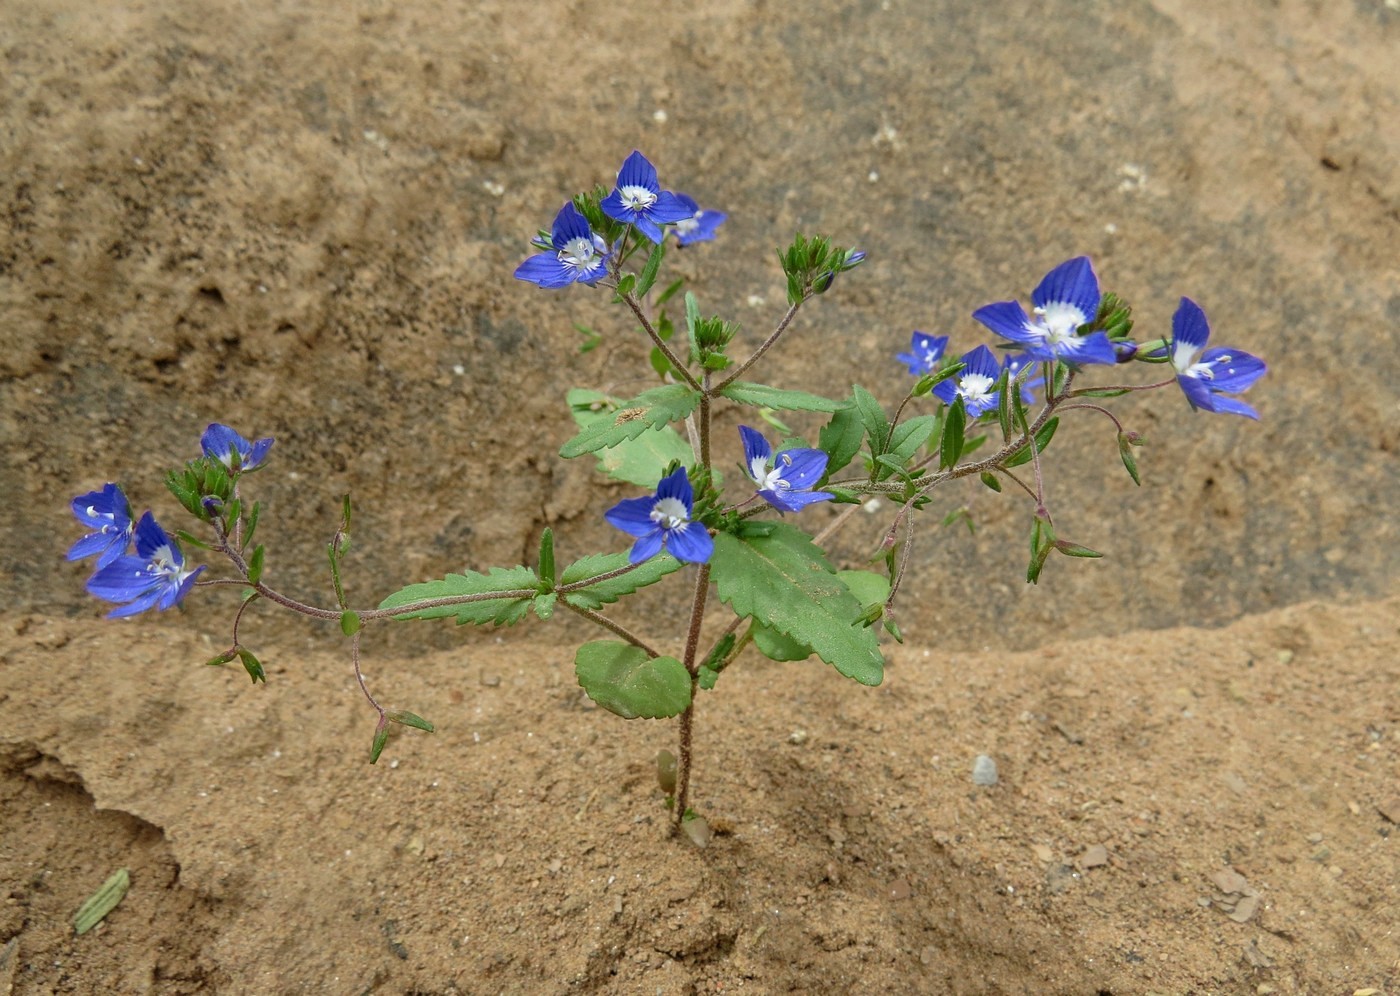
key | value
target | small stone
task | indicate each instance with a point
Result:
(1244, 909)
(697, 830)
(1228, 880)
(491, 680)
(984, 770)
(1094, 856)
(1043, 853)
(899, 889)
(798, 737)
(1390, 809)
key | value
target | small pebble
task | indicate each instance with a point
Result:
(984, 770)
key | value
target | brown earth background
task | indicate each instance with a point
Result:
(302, 219)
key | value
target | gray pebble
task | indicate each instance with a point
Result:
(984, 770)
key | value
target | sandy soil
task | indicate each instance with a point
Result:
(302, 220)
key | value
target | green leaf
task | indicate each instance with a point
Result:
(255, 565)
(349, 623)
(1042, 440)
(381, 737)
(1075, 550)
(670, 291)
(102, 902)
(951, 446)
(591, 339)
(252, 526)
(906, 439)
(222, 659)
(1125, 450)
(252, 665)
(692, 325)
(990, 480)
(595, 596)
(840, 438)
(624, 680)
(546, 568)
(782, 580)
(410, 719)
(872, 415)
(641, 461)
(779, 646)
(500, 611)
(648, 410)
(625, 286)
(543, 604)
(1042, 542)
(870, 589)
(715, 661)
(763, 396)
(650, 270)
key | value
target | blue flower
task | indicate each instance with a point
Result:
(786, 482)
(574, 254)
(108, 514)
(1218, 371)
(700, 226)
(154, 577)
(973, 383)
(223, 444)
(1066, 299)
(663, 520)
(639, 200)
(924, 353)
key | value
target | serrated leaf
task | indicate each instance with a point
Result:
(872, 415)
(782, 580)
(500, 611)
(641, 461)
(595, 596)
(870, 589)
(648, 410)
(840, 438)
(544, 604)
(905, 441)
(624, 680)
(779, 646)
(763, 396)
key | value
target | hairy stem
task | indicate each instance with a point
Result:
(767, 345)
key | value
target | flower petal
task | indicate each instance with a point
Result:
(633, 516)
(690, 543)
(646, 547)
(1072, 282)
(1009, 320)
(756, 451)
(801, 468)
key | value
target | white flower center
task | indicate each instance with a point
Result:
(976, 387)
(578, 252)
(636, 198)
(670, 513)
(688, 225)
(1057, 322)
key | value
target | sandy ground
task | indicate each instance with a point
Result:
(302, 220)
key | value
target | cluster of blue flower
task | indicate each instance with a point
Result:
(154, 576)
(574, 253)
(1065, 302)
(664, 519)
